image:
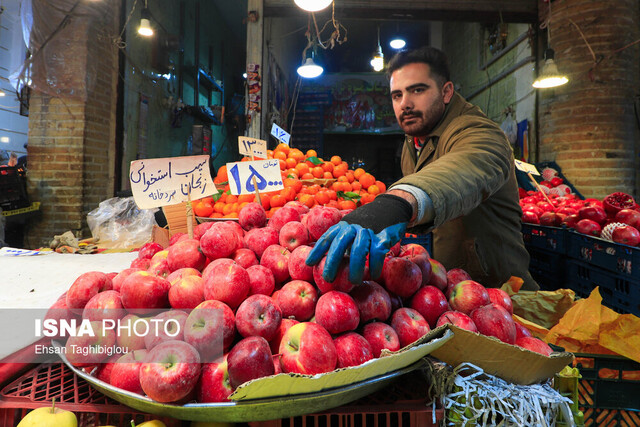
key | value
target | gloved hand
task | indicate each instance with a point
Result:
(371, 229)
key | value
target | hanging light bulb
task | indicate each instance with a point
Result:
(309, 69)
(377, 62)
(145, 22)
(397, 43)
(312, 5)
(550, 76)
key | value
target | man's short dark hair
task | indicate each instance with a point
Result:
(435, 58)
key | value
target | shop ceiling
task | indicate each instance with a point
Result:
(525, 11)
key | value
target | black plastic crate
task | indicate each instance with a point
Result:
(545, 237)
(619, 292)
(608, 392)
(548, 268)
(13, 188)
(617, 258)
(425, 240)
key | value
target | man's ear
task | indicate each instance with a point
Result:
(447, 92)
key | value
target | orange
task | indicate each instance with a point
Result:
(322, 197)
(242, 205)
(336, 160)
(312, 153)
(358, 172)
(313, 189)
(346, 186)
(202, 208)
(332, 194)
(222, 172)
(282, 147)
(366, 179)
(343, 178)
(291, 162)
(269, 154)
(277, 201)
(215, 215)
(296, 184)
(288, 193)
(302, 168)
(218, 207)
(339, 171)
(347, 204)
(265, 201)
(307, 200)
(337, 186)
(381, 186)
(231, 215)
(332, 204)
(317, 172)
(228, 208)
(350, 176)
(356, 186)
(246, 198)
(328, 166)
(367, 198)
(280, 155)
(245, 159)
(296, 154)
(307, 175)
(373, 189)
(231, 199)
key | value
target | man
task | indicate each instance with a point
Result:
(459, 180)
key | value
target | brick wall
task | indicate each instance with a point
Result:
(588, 126)
(72, 123)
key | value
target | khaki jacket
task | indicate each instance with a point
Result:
(466, 166)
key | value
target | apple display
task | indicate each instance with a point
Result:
(401, 276)
(259, 239)
(438, 275)
(534, 344)
(285, 324)
(186, 254)
(187, 292)
(119, 278)
(125, 373)
(276, 259)
(352, 349)
(282, 216)
(468, 295)
(298, 268)
(165, 326)
(85, 287)
(131, 333)
(228, 283)
(307, 348)
(373, 301)
(293, 234)
(409, 325)
(500, 297)
(457, 318)
(261, 280)
(88, 348)
(178, 274)
(245, 257)
(214, 385)
(218, 241)
(431, 303)
(258, 315)
(319, 219)
(104, 305)
(142, 291)
(297, 299)
(381, 336)
(249, 359)
(211, 329)
(252, 216)
(495, 321)
(337, 312)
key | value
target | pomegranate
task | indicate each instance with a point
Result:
(627, 235)
(617, 201)
(589, 227)
(570, 221)
(629, 216)
(594, 213)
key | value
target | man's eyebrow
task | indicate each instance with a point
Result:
(412, 87)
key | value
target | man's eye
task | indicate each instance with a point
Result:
(418, 90)
(395, 96)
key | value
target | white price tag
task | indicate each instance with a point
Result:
(527, 167)
(7, 251)
(266, 173)
(169, 181)
(280, 134)
(252, 147)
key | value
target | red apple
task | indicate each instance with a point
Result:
(373, 301)
(245, 257)
(381, 336)
(307, 348)
(252, 216)
(104, 369)
(626, 235)
(438, 275)
(165, 326)
(283, 216)
(261, 280)
(214, 385)
(297, 299)
(125, 373)
(187, 292)
(285, 324)
(140, 263)
(422, 261)
(495, 321)
(500, 297)
(352, 349)
(340, 283)
(412, 249)
(85, 287)
(186, 254)
(337, 312)
(468, 295)
(238, 230)
(104, 305)
(159, 267)
(522, 331)
(174, 276)
(259, 239)
(200, 229)
(142, 291)
(319, 219)
(550, 219)
(59, 311)
(132, 332)
(95, 335)
(170, 371)
(409, 325)
(211, 329)
(298, 268)
(293, 234)
(119, 278)
(258, 315)
(455, 276)
(219, 241)
(534, 344)
(301, 208)
(228, 283)
(177, 237)
(276, 259)
(401, 276)
(148, 250)
(249, 359)
(458, 319)
(430, 302)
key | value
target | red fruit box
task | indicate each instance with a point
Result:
(617, 258)
(513, 364)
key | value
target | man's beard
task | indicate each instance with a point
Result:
(422, 122)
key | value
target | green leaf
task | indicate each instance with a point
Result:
(352, 195)
(291, 176)
(217, 196)
(316, 161)
(349, 195)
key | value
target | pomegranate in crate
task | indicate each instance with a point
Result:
(617, 201)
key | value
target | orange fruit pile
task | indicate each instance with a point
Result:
(306, 178)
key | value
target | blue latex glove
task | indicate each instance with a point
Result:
(336, 241)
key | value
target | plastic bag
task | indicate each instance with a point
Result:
(510, 128)
(118, 223)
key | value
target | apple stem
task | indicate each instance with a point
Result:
(133, 424)
(53, 405)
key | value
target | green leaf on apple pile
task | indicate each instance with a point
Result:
(348, 195)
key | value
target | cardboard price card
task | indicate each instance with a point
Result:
(169, 181)
(252, 147)
(266, 173)
(526, 167)
(280, 134)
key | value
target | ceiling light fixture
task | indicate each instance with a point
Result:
(550, 76)
(145, 22)
(309, 69)
(312, 5)
(397, 42)
(377, 62)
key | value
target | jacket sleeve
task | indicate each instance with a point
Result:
(476, 161)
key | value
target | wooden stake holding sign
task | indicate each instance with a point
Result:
(530, 169)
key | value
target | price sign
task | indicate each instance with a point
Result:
(527, 167)
(266, 173)
(252, 147)
(169, 181)
(280, 134)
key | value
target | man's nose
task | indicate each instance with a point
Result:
(405, 103)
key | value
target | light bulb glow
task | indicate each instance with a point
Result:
(312, 5)
(310, 69)
(4, 139)
(145, 28)
(550, 76)
(397, 43)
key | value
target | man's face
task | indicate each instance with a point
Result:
(418, 100)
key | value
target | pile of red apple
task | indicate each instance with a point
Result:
(616, 217)
(277, 313)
